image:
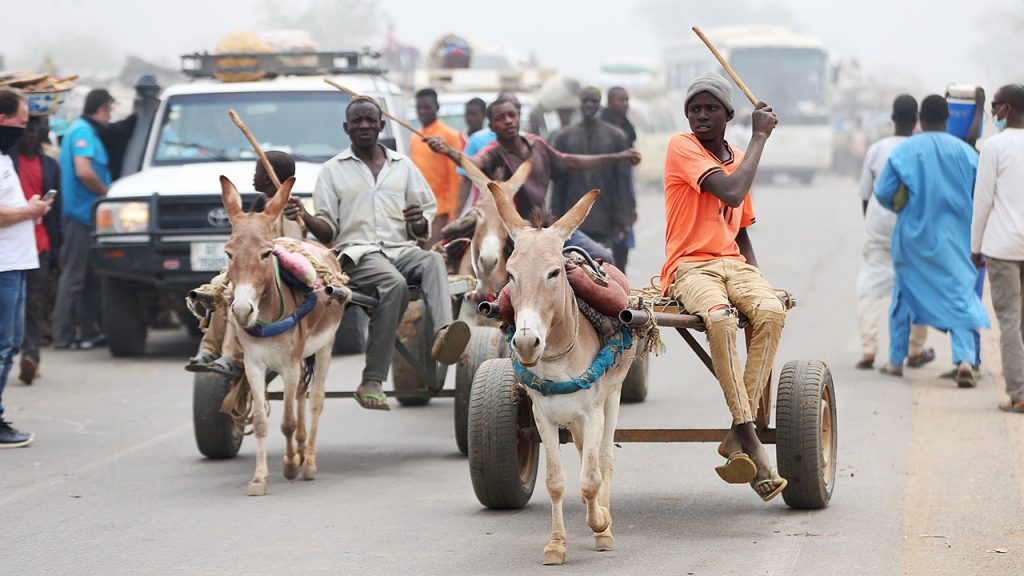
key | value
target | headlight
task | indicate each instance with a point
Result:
(122, 217)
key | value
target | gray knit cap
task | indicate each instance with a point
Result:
(714, 84)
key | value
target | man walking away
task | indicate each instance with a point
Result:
(612, 214)
(928, 182)
(38, 173)
(443, 180)
(875, 281)
(85, 177)
(17, 249)
(615, 114)
(998, 232)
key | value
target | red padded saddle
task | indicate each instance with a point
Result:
(608, 300)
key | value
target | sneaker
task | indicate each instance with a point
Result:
(11, 438)
(29, 369)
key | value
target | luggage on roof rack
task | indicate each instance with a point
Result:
(273, 64)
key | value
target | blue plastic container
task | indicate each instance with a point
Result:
(960, 99)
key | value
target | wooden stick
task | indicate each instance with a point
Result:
(255, 146)
(398, 121)
(725, 65)
(267, 166)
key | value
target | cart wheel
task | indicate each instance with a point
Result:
(216, 434)
(634, 386)
(414, 332)
(806, 444)
(485, 342)
(502, 462)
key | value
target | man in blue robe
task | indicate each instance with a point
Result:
(928, 181)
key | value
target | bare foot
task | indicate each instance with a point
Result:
(730, 444)
(753, 447)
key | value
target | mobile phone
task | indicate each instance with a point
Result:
(50, 195)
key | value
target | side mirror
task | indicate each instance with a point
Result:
(389, 142)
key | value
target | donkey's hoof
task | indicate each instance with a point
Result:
(554, 554)
(603, 542)
(291, 467)
(603, 521)
(257, 488)
(309, 471)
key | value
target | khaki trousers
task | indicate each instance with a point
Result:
(870, 311)
(715, 290)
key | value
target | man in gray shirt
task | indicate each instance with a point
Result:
(372, 206)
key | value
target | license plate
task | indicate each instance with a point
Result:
(208, 257)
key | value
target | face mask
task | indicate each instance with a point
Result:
(9, 135)
(1000, 123)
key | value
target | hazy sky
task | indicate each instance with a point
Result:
(931, 42)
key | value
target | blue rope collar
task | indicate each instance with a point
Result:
(605, 359)
(282, 325)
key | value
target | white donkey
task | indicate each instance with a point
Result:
(557, 344)
(260, 298)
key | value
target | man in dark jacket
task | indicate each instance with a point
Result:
(38, 173)
(612, 215)
(615, 114)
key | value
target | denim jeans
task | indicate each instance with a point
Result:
(12, 322)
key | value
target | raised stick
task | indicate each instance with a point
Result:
(398, 121)
(267, 166)
(725, 65)
(255, 146)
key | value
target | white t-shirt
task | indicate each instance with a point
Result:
(17, 241)
(998, 226)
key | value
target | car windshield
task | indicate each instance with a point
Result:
(794, 81)
(197, 128)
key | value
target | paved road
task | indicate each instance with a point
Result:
(931, 478)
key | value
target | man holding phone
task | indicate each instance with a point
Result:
(40, 176)
(17, 249)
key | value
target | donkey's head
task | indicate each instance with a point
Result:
(490, 235)
(538, 289)
(249, 250)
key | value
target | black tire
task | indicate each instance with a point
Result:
(806, 443)
(634, 386)
(124, 317)
(485, 343)
(352, 333)
(217, 436)
(404, 376)
(502, 463)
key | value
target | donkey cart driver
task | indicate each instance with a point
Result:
(710, 267)
(372, 206)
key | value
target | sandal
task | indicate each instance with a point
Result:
(926, 356)
(372, 400)
(1010, 406)
(451, 342)
(866, 363)
(739, 469)
(225, 367)
(965, 378)
(200, 362)
(778, 490)
(888, 370)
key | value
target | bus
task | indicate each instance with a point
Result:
(787, 70)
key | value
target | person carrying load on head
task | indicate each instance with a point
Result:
(218, 350)
(373, 207)
(711, 270)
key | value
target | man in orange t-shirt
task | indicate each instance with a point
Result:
(710, 267)
(440, 174)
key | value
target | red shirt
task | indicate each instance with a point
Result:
(30, 172)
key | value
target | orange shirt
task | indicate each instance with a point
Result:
(437, 168)
(699, 226)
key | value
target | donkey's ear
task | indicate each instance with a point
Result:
(572, 219)
(280, 199)
(231, 198)
(476, 176)
(517, 180)
(507, 210)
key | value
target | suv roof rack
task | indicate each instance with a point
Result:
(273, 64)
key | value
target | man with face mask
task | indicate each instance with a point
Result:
(17, 249)
(997, 232)
(610, 218)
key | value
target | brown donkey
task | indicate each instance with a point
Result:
(260, 298)
(558, 345)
